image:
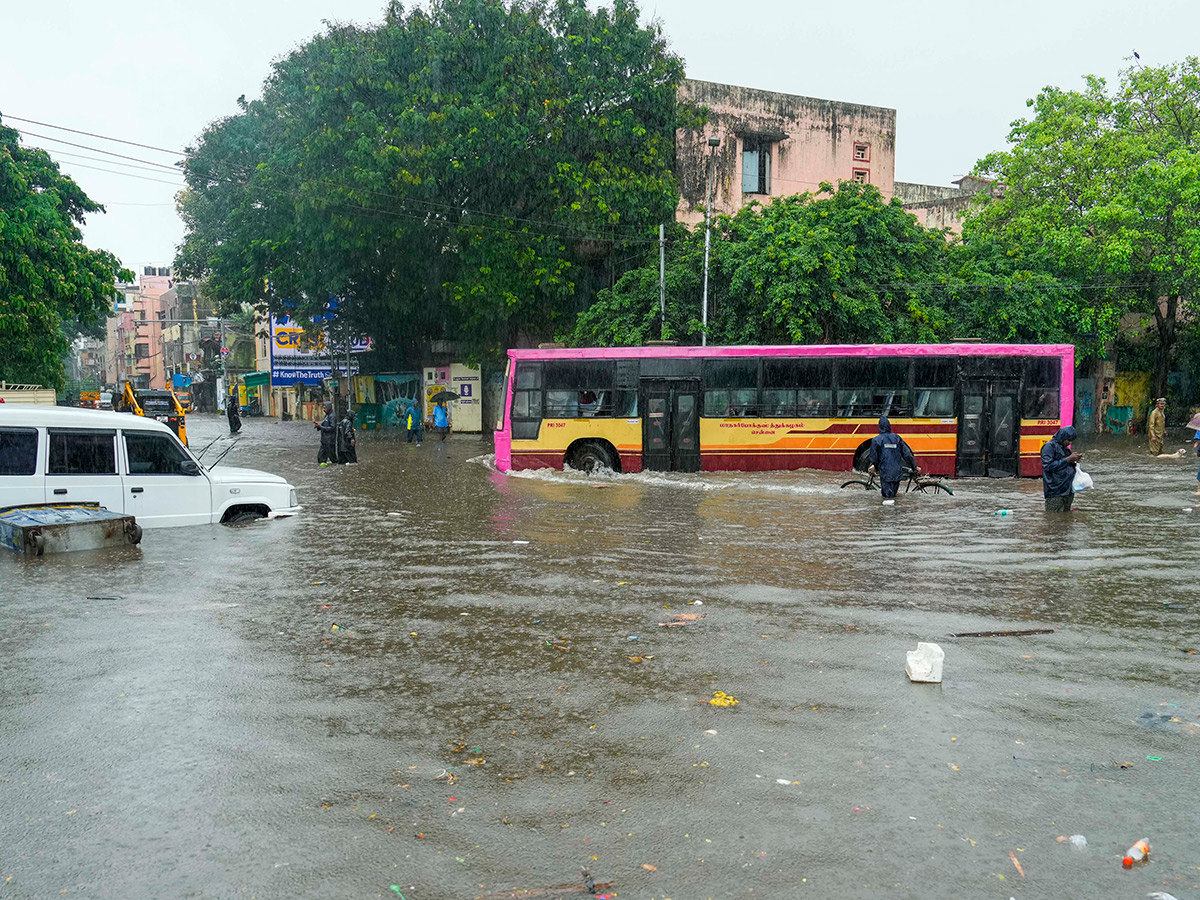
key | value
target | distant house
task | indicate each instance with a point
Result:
(769, 144)
(937, 206)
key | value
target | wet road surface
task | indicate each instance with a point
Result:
(181, 719)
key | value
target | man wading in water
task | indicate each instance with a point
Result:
(1156, 425)
(1058, 470)
(889, 455)
(328, 428)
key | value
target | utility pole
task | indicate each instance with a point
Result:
(713, 143)
(224, 369)
(662, 283)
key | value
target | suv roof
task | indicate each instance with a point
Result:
(30, 415)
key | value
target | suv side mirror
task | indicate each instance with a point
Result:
(189, 467)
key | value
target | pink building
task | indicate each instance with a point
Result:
(134, 340)
(773, 145)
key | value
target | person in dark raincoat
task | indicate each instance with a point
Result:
(328, 428)
(346, 450)
(233, 410)
(1058, 470)
(889, 455)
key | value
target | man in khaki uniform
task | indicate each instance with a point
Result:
(1156, 426)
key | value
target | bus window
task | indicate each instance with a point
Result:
(562, 404)
(527, 402)
(625, 405)
(578, 387)
(529, 376)
(873, 387)
(797, 387)
(730, 388)
(1042, 377)
(933, 387)
(500, 417)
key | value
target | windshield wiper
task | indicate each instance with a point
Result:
(216, 461)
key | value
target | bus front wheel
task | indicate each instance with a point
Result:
(591, 455)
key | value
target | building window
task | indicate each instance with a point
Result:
(862, 152)
(141, 351)
(756, 165)
(862, 176)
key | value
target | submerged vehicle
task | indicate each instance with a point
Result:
(126, 464)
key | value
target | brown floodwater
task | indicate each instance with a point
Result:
(518, 687)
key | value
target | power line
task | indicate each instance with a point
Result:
(174, 184)
(47, 137)
(611, 236)
(102, 137)
(111, 162)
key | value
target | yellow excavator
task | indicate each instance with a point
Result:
(162, 406)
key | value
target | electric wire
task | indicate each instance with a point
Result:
(623, 236)
(359, 207)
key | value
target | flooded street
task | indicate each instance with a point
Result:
(502, 704)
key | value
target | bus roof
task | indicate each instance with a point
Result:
(867, 350)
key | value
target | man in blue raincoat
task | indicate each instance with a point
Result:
(889, 456)
(1058, 470)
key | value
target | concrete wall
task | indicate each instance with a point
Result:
(908, 192)
(940, 206)
(811, 141)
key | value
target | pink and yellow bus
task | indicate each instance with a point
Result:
(966, 409)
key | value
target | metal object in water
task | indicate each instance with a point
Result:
(35, 530)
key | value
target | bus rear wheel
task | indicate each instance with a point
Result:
(592, 455)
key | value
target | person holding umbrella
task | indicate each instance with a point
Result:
(441, 416)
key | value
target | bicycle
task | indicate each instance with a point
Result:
(915, 482)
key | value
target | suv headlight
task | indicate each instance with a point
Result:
(292, 498)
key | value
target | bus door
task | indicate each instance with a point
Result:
(988, 428)
(670, 425)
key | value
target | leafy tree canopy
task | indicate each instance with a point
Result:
(467, 171)
(51, 285)
(840, 266)
(1102, 188)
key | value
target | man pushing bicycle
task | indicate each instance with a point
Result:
(889, 456)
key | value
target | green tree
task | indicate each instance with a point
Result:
(51, 286)
(1101, 189)
(840, 266)
(472, 171)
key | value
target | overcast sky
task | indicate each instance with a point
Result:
(957, 73)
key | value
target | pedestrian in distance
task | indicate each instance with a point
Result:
(328, 428)
(412, 421)
(889, 456)
(1196, 447)
(1058, 470)
(347, 452)
(1156, 426)
(233, 411)
(441, 419)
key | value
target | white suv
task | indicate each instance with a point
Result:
(127, 464)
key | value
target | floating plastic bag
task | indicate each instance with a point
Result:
(1082, 481)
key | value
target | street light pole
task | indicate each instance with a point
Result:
(713, 143)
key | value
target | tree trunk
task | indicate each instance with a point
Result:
(1165, 323)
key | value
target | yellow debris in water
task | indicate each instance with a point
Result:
(720, 698)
